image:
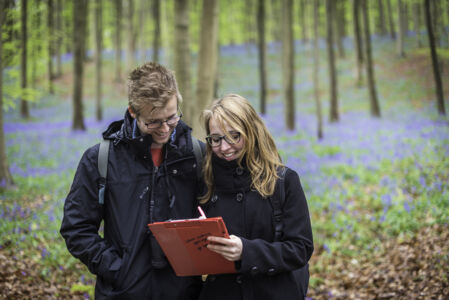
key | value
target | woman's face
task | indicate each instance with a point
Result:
(222, 146)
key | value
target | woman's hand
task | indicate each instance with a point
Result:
(230, 249)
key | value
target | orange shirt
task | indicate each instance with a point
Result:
(156, 154)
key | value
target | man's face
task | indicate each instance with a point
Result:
(160, 123)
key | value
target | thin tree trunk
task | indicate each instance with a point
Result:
(142, 33)
(59, 34)
(288, 63)
(182, 58)
(262, 55)
(436, 17)
(6, 180)
(24, 110)
(157, 29)
(333, 114)
(374, 103)
(302, 19)
(390, 20)
(79, 25)
(434, 56)
(51, 75)
(338, 20)
(382, 28)
(132, 36)
(358, 42)
(118, 40)
(316, 69)
(207, 60)
(36, 49)
(417, 23)
(400, 41)
(98, 58)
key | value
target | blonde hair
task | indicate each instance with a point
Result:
(259, 151)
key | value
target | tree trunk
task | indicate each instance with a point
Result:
(390, 20)
(132, 36)
(36, 47)
(358, 42)
(382, 29)
(417, 23)
(288, 63)
(433, 53)
(98, 58)
(374, 103)
(142, 34)
(400, 41)
(79, 25)
(316, 69)
(302, 19)
(435, 12)
(51, 75)
(334, 115)
(6, 180)
(339, 20)
(59, 35)
(24, 110)
(262, 55)
(182, 59)
(118, 40)
(157, 29)
(207, 60)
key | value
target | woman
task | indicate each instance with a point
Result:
(240, 172)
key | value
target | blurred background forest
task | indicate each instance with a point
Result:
(354, 91)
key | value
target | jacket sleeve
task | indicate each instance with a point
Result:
(296, 247)
(82, 217)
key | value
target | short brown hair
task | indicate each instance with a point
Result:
(151, 84)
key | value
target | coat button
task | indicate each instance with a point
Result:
(271, 271)
(214, 198)
(175, 171)
(239, 171)
(239, 197)
(141, 139)
(239, 279)
(254, 270)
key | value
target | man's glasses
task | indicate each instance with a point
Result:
(173, 121)
(215, 140)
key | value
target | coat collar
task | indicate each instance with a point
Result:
(229, 176)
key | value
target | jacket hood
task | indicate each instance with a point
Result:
(127, 131)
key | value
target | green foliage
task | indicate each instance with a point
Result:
(81, 288)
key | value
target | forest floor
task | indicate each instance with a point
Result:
(405, 267)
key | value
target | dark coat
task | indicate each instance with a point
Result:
(264, 271)
(128, 262)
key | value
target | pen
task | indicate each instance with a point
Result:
(203, 215)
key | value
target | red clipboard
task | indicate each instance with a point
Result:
(184, 244)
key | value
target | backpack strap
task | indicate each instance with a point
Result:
(198, 152)
(103, 154)
(277, 199)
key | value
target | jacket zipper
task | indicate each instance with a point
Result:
(153, 179)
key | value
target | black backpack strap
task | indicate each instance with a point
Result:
(277, 200)
(103, 154)
(197, 151)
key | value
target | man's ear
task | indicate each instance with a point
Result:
(131, 112)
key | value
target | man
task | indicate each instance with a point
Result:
(151, 177)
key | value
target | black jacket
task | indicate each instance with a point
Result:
(128, 262)
(264, 271)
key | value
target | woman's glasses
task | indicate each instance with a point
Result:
(158, 123)
(215, 140)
